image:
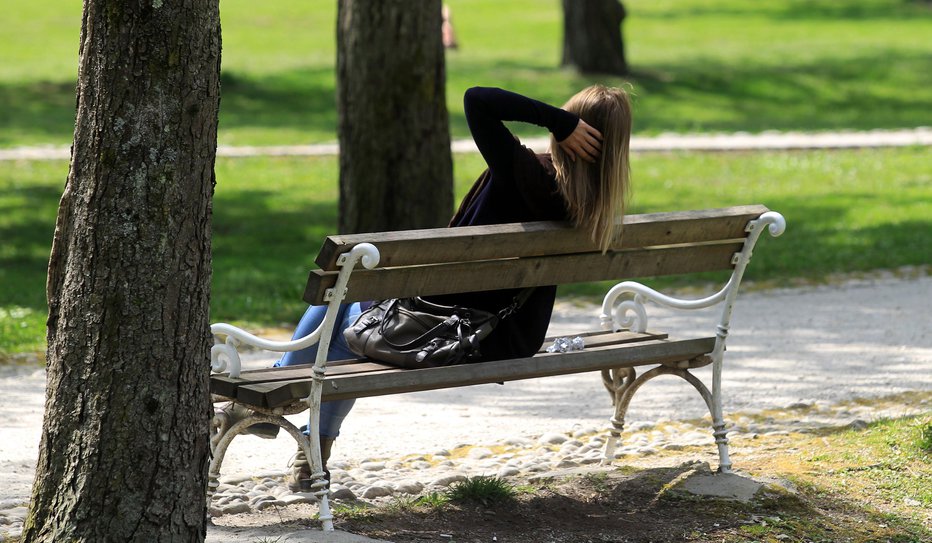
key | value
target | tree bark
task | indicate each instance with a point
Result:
(592, 41)
(124, 448)
(396, 169)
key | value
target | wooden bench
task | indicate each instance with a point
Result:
(452, 260)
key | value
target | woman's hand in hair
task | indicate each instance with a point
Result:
(585, 142)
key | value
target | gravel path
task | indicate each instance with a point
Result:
(804, 351)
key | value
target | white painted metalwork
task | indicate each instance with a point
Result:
(630, 313)
(225, 354)
(622, 308)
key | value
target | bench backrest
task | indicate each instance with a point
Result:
(472, 258)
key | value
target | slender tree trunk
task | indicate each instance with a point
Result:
(396, 169)
(124, 445)
(592, 41)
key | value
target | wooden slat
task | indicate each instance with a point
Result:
(438, 245)
(381, 283)
(400, 381)
(225, 386)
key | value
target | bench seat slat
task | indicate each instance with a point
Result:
(382, 283)
(224, 385)
(519, 240)
(650, 352)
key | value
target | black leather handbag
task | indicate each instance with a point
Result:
(415, 333)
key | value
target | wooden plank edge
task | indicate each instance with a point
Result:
(358, 386)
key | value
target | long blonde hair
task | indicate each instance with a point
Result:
(596, 192)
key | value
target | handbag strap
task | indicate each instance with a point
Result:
(516, 303)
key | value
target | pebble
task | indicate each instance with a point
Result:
(342, 494)
(639, 426)
(376, 492)
(290, 499)
(449, 480)
(478, 453)
(583, 432)
(265, 504)
(857, 424)
(409, 487)
(15, 513)
(508, 471)
(552, 439)
(236, 508)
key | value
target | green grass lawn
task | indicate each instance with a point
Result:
(698, 65)
(846, 211)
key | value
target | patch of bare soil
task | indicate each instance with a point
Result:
(615, 507)
(645, 506)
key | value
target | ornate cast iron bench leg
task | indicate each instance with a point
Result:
(222, 434)
(616, 381)
(622, 383)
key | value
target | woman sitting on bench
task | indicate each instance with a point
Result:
(584, 179)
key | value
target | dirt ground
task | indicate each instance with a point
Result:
(639, 503)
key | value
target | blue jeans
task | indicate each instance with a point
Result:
(331, 413)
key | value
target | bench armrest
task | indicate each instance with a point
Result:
(631, 313)
(225, 355)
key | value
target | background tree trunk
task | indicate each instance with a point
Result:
(592, 40)
(124, 447)
(396, 170)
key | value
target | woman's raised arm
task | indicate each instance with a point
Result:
(486, 109)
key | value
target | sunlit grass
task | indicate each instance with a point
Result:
(697, 65)
(846, 211)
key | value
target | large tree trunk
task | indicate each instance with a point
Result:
(396, 169)
(592, 41)
(124, 445)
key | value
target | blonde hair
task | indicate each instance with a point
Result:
(596, 192)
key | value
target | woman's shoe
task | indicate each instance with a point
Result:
(299, 480)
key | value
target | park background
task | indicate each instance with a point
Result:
(698, 66)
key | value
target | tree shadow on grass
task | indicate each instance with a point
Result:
(261, 252)
(704, 94)
(802, 10)
(262, 255)
(26, 240)
(301, 100)
(40, 111)
(820, 239)
(825, 94)
(639, 506)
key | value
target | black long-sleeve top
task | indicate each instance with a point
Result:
(518, 186)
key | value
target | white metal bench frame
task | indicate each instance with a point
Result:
(622, 308)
